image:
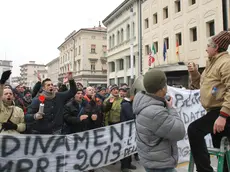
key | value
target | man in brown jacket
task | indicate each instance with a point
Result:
(214, 85)
(11, 117)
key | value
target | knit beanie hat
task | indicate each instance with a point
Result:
(154, 80)
(222, 39)
(114, 86)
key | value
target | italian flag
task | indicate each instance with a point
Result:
(152, 55)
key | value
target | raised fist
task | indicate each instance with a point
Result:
(5, 76)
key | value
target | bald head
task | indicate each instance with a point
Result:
(89, 91)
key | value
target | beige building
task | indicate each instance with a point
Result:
(29, 73)
(84, 53)
(53, 70)
(190, 24)
(122, 26)
(15, 80)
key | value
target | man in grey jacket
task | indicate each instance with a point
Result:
(158, 126)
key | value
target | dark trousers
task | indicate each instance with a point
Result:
(197, 130)
(126, 162)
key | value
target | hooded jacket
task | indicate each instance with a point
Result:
(158, 128)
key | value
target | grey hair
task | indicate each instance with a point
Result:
(212, 43)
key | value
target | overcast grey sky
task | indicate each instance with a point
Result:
(33, 29)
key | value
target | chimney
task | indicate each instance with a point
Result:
(99, 24)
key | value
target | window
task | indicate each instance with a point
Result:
(79, 65)
(112, 81)
(165, 13)
(75, 52)
(110, 42)
(192, 2)
(177, 6)
(193, 34)
(121, 64)
(155, 18)
(118, 37)
(104, 48)
(166, 41)
(133, 34)
(93, 69)
(120, 80)
(210, 28)
(179, 38)
(93, 37)
(112, 67)
(104, 37)
(156, 46)
(93, 48)
(122, 35)
(128, 32)
(146, 23)
(129, 61)
(79, 50)
(113, 40)
(147, 50)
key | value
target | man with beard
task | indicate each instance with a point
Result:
(11, 117)
(50, 121)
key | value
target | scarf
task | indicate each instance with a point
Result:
(48, 95)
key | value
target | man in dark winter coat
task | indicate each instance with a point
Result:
(50, 121)
(72, 111)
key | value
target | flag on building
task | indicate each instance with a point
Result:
(164, 50)
(177, 49)
(152, 55)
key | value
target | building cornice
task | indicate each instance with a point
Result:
(53, 61)
(28, 64)
(127, 4)
(96, 29)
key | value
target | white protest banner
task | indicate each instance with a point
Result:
(76, 152)
(188, 106)
(90, 149)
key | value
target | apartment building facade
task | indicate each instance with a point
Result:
(4, 66)
(53, 70)
(183, 28)
(15, 80)
(84, 54)
(122, 27)
(29, 72)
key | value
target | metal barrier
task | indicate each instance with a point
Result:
(223, 152)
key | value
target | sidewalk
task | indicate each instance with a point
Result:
(181, 167)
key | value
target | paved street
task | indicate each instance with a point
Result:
(181, 167)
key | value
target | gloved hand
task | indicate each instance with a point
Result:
(5, 76)
(38, 116)
(9, 126)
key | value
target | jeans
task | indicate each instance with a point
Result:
(197, 130)
(161, 170)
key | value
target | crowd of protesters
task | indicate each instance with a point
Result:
(158, 125)
(67, 109)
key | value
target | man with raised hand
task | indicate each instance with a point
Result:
(214, 85)
(11, 116)
(50, 121)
